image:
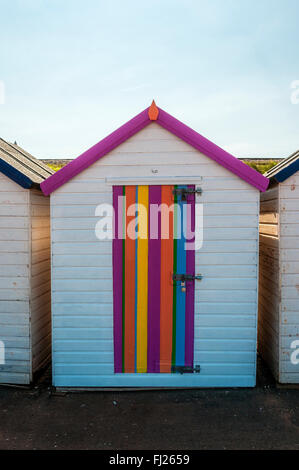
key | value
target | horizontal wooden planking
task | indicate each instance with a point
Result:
(40, 256)
(269, 218)
(9, 319)
(15, 366)
(289, 192)
(227, 308)
(13, 222)
(226, 296)
(289, 267)
(83, 310)
(269, 206)
(227, 283)
(17, 354)
(288, 205)
(291, 318)
(269, 229)
(270, 194)
(14, 330)
(14, 294)
(38, 222)
(16, 210)
(290, 279)
(290, 293)
(107, 369)
(290, 255)
(212, 208)
(14, 283)
(230, 271)
(225, 258)
(14, 270)
(14, 258)
(11, 306)
(13, 342)
(40, 233)
(290, 305)
(14, 378)
(14, 234)
(216, 321)
(81, 285)
(40, 244)
(83, 333)
(40, 210)
(290, 217)
(82, 273)
(11, 197)
(14, 246)
(216, 233)
(289, 230)
(82, 260)
(81, 297)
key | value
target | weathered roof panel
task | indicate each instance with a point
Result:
(15, 162)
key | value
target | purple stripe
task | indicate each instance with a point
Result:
(117, 283)
(154, 274)
(190, 269)
(212, 151)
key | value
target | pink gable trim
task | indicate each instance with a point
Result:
(174, 126)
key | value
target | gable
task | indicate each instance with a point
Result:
(184, 133)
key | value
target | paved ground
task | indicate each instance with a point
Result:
(261, 418)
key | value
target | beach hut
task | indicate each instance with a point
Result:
(159, 309)
(279, 271)
(24, 265)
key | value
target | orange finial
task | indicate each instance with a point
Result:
(153, 111)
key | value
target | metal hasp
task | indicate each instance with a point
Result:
(183, 192)
(185, 369)
(186, 277)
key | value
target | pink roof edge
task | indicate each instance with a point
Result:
(174, 126)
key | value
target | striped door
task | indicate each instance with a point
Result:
(153, 314)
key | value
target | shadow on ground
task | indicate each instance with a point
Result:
(262, 418)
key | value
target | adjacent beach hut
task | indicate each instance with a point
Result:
(279, 271)
(24, 265)
(133, 312)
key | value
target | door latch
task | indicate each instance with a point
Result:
(186, 277)
(183, 192)
(185, 369)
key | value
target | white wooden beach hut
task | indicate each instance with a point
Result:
(278, 336)
(134, 313)
(24, 265)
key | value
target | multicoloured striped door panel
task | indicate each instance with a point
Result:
(153, 314)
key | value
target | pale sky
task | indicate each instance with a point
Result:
(74, 71)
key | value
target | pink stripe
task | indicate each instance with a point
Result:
(154, 273)
(190, 269)
(95, 153)
(117, 283)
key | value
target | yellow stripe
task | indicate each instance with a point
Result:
(142, 277)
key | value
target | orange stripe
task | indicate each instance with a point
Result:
(129, 349)
(166, 283)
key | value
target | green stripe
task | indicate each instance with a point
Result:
(174, 283)
(123, 282)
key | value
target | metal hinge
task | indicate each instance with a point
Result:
(185, 369)
(183, 192)
(186, 277)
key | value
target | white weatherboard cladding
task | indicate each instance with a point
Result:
(279, 278)
(24, 281)
(225, 300)
(14, 282)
